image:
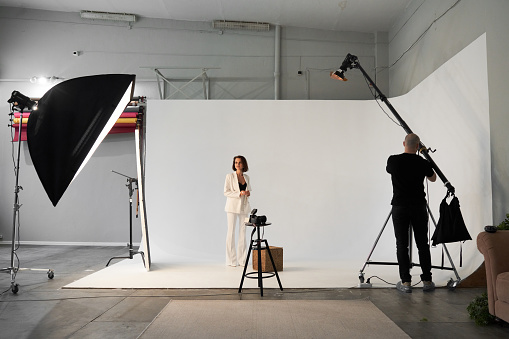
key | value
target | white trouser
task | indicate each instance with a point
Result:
(231, 255)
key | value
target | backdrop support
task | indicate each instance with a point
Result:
(132, 252)
(351, 61)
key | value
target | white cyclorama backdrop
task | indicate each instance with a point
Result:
(317, 168)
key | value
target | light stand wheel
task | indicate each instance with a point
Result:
(51, 274)
(452, 284)
(361, 277)
(15, 288)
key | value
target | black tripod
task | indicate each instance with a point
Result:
(451, 284)
(132, 252)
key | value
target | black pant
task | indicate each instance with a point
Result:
(402, 218)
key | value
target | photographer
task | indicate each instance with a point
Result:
(408, 171)
(237, 190)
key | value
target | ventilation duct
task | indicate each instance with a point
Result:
(241, 25)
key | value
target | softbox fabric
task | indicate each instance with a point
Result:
(451, 226)
(69, 119)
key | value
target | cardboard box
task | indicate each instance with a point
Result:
(277, 255)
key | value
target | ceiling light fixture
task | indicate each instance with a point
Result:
(108, 16)
(44, 80)
(241, 25)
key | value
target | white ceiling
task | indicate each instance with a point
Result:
(338, 15)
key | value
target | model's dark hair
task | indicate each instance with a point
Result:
(245, 167)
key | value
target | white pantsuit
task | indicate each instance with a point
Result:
(237, 209)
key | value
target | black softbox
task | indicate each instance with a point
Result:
(71, 120)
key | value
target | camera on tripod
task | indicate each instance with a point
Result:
(258, 220)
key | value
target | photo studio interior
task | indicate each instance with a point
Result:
(317, 147)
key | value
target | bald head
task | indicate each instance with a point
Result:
(411, 143)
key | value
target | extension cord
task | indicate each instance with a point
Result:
(365, 285)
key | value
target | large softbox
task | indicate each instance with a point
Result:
(71, 121)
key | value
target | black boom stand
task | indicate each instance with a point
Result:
(132, 252)
(351, 61)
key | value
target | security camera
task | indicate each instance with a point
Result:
(76, 53)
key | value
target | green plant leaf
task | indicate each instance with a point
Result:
(478, 311)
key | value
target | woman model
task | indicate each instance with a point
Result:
(237, 191)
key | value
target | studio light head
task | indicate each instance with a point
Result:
(350, 61)
(22, 101)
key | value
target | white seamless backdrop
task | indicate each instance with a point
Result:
(317, 168)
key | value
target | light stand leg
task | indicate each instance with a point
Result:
(14, 286)
(132, 252)
(131, 228)
(367, 262)
(451, 284)
(12, 270)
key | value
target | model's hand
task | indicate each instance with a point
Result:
(248, 193)
(242, 193)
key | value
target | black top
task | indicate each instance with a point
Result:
(407, 174)
(243, 187)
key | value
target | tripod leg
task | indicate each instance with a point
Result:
(245, 266)
(273, 265)
(361, 274)
(260, 278)
(247, 261)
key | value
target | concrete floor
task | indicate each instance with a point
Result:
(42, 309)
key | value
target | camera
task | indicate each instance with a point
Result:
(76, 53)
(258, 220)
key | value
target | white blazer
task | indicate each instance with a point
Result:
(234, 202)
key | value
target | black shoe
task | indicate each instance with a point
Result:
(428, 286)
(405, 287)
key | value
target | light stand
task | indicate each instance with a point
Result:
(132, 252)
(13, 270)
(351, 61)
(21, 101)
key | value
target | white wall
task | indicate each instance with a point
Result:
(461, 25)
(94, 209)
